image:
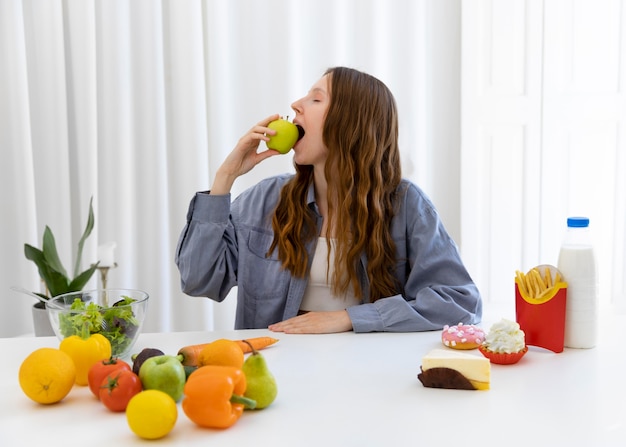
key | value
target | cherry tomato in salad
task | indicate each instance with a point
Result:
(98, 371)
(118, 388)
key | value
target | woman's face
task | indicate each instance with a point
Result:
(310, 115)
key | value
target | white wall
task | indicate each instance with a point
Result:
(444, 112)
(542, 130)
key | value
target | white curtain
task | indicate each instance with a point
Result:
(136, 103)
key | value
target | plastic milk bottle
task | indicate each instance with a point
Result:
(577, 264)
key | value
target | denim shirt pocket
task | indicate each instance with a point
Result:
(263, 276)
(259, 244)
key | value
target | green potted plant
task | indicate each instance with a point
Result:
(51, 270)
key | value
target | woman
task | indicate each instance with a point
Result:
(344, 244)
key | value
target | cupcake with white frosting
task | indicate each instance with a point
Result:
(505, 343)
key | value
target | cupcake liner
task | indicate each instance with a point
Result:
(502, 358)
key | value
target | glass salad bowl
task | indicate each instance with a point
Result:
(117, 314)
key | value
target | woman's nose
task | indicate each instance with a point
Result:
(296, 106)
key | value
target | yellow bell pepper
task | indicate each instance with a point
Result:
(85, 352)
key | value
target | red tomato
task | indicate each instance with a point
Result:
(118, 388)
(101, 369)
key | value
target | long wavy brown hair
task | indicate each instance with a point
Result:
(363, 173)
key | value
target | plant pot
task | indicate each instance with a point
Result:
(41, 321)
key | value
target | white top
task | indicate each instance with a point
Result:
(318, 295)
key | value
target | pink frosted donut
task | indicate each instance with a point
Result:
(462, 336)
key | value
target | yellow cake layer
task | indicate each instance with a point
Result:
(474, 368)
(480, 385)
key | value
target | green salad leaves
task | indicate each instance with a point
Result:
(117, 323)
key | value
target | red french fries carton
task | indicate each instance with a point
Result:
(542, 318)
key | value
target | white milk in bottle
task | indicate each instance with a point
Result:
(577, 264)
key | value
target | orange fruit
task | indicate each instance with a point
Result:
(222, 352)
(47, 375)
(151, 414)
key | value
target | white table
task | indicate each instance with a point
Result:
(359, 390)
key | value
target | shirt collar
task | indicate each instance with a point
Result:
(310, 198)
(310, 195)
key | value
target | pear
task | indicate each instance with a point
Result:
(261, 383)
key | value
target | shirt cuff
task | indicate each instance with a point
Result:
(365, 318)
(210, 208)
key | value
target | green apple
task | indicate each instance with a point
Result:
(286, 135)
(165, 373)
(144, 355)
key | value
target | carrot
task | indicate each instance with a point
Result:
(256, 342)
(190, 354)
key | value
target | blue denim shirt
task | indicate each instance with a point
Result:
(225, 244)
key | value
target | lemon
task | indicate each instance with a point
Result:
(47, 375)
(151, 414)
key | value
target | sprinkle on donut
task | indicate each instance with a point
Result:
(462, 336)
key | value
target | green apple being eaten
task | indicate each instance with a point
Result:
(286, 135)
(165, 373)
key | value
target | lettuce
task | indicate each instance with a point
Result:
(117, 323)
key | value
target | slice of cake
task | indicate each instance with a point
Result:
(445, 368)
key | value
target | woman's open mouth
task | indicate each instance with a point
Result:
(300, 131)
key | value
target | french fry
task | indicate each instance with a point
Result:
(540, 285)
(548, 277)
(528, 283)
(520, 281)
(534, 285)
(544, 293)
(537, 281)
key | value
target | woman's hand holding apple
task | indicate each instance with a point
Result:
(244, 156)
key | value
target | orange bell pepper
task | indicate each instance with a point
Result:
(214, 396)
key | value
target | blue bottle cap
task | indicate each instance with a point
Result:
(577, 222)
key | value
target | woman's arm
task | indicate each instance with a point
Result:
(438, 289)
(206, 254)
